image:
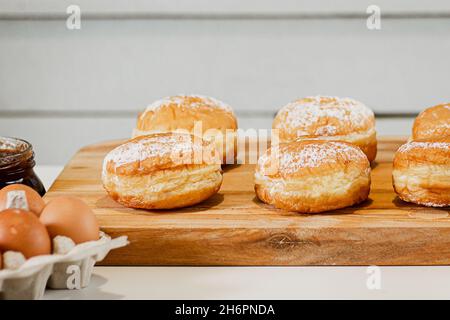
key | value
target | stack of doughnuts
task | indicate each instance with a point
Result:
(323, 160)
(174, 158)
(320, 162)
(421, 167)
(328, 118)
(195, 114)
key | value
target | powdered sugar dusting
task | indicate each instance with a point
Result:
(152, 146)
(433, 122)
(192, 101)
(424, 145)
(304, 113)
(438, 127)
(309, 156)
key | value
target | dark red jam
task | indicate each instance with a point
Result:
(17, 163)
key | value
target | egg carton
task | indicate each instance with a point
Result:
(57, 271)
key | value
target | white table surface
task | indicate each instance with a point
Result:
(255, 282)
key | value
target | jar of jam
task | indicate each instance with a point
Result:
(17, 163)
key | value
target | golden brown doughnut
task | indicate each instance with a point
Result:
(313, 176)
(328, 118)
(214, 119)
(421, 172)
(162, 171)
(432, 123)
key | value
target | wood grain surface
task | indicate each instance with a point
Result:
(235, 228)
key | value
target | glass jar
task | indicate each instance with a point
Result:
(17, 163)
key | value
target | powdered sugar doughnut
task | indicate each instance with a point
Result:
(313, 176)
(421, 172)
(162, 171)
(432, 123)
(195, 114)
(328, 118)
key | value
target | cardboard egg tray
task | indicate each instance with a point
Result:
(69, 271)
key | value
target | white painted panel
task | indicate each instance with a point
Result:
(218, 6)
(253, 65)
(55, 140)
(394, 126)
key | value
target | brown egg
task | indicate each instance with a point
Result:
(70, 217)
(34, 200)
(22, 231)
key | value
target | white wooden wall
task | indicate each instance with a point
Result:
(62, 89)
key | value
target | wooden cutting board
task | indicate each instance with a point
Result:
(235, 228)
